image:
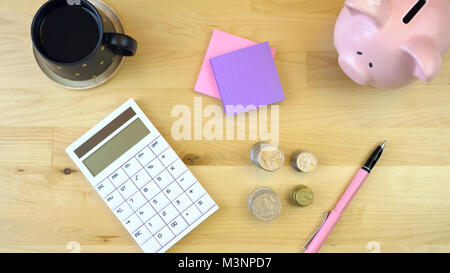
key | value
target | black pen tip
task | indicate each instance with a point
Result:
(383, 144)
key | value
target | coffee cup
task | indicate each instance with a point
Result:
(77, 41)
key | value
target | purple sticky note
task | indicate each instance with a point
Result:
(221, 43)
(247, 79)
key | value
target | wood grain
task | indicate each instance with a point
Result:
(404, 206)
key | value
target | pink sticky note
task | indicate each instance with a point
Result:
(221, 43)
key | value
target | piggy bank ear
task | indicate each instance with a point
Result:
(378, 10)
(426, 57)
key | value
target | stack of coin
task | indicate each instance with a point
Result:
(301, 196)
(267, 156)
(304, 161)
(264, 204)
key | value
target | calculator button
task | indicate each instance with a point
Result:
(123, 211)
(141, 178)
(168, 213)
(163, 179)
(136, 201)
(195, 192)
(127, 189)
(159, 201)
(132, 167)
(151, 246)
(132, 223)
(159, 145)
(105, 188)
(150, 190)
(155, 224)
(118, 178)
(205, 203)
(146, 212)
(182, 202)
(141, 235)
(191, 214)
(177, 168)
(186, 180)
(172, 191)
(145, 156)
(164, 236)
(168, 157)
(114, 199)
(178, 225)
(154, 168)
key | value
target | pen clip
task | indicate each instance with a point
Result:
(317, 230)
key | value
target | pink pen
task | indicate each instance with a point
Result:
(330, 220)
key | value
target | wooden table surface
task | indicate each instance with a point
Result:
(403, 207)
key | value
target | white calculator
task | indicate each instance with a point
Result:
(141, 179)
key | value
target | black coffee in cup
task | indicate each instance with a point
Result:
(69, 33)
(77, 42)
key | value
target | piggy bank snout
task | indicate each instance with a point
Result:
(354, 70)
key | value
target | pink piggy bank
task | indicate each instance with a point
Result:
(390, 43)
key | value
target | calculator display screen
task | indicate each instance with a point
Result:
(116, 146)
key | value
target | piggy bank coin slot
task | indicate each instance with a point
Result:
(413, 12)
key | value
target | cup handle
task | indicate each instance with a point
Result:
(121, 44)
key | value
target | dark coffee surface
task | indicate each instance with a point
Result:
(69, 34)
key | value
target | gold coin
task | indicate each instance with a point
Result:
(304, 197)
(301, 196)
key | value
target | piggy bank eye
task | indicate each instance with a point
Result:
(370, 65)
(359, 52)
